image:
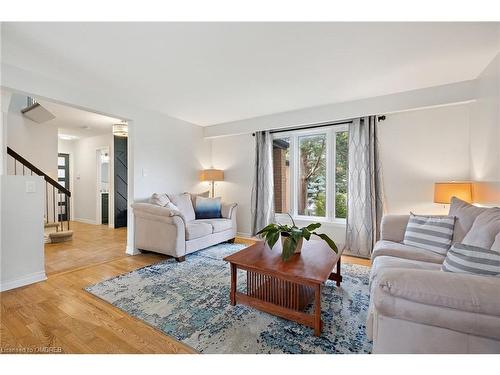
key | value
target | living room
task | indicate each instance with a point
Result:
(292, 188)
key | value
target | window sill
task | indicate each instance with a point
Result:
(312, 219)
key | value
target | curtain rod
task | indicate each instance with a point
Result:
(380, 118)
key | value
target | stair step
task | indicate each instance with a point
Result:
(51, 225)
(62, 236)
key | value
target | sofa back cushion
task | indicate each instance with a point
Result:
(472, 259)
(484, 230)
(184, 205)
(432, 233)
(465, 214)
(208, 208)
(204, 194)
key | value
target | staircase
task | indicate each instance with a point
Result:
(57, 200)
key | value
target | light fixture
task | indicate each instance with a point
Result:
(444, 191)
(67, 137)
(212, 175)
(120, 130)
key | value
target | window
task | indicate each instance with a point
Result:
(310, 173)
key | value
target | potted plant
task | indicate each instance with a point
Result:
(292, 237)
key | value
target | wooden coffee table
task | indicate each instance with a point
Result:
(281, 288)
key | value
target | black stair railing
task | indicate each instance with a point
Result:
(57, 197)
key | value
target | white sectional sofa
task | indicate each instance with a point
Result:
(176, 232)
(415, 307)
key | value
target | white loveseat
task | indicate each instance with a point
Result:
(176, 232)
(417, 308)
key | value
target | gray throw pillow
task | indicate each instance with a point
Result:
(484, 230)
(184, 205)
(465, 214)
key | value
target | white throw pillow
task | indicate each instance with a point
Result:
(159, 199)
(184, 205)
(432, 233)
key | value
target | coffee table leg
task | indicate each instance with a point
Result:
(339, 278)
(317, 310)
(233, 285)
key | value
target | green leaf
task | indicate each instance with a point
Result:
(288, 248)
(272, 237)
(306, 234)
(313, 226)
(266, 228)
(328, 240)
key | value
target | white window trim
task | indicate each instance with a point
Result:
(294, 135)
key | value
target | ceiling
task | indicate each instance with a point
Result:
(76, 122)
(209, 73)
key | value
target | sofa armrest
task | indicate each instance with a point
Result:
(228, 210)
(461, 302)
(152, 211)
(393, 227)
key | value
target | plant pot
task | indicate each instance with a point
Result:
(298, 248)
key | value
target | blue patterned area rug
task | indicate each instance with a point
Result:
(190, 301)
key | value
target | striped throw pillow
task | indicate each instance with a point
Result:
(432, 233)
(472, 259)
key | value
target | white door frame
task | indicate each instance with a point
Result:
(98, 152)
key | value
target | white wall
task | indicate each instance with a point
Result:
(22, 255)
(458, 92)
(485, 135)
(418, 148)
(235, 155)
(37, 143)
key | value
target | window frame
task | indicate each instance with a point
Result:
(331, 150)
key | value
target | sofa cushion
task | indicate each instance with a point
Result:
(400, 250)
(384, 262)
(196, 229)
(471, 259)
(460, 302)
(184, 205)
(465, 214)
(218, 225)
(484, 230)
(432, 233)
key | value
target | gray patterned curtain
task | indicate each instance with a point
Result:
(365, 197)
(263, 184)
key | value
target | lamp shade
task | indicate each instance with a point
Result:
(443, 191)
(212, 175)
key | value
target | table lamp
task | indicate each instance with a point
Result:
(212, 175)
(444, 191)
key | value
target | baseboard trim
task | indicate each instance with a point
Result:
(244, 235)
(85, 221)
(23, 281)
(130, 250)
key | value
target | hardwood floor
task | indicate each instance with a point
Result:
(57, 315)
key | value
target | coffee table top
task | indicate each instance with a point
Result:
(314, 264)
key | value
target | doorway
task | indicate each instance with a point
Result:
(63, 179)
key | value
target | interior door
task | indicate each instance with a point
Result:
(120, 181)
(63, 179)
